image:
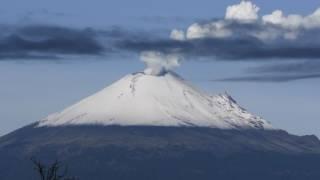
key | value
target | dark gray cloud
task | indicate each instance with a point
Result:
(54, 42)
(281, 72)
(46, 41)
(270, 78)
(49, 40)
(288, 59)
(307, 66)
(226, 49)
(244, 44)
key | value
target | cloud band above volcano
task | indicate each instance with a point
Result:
(242, 34)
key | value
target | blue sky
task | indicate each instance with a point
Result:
(33, 88)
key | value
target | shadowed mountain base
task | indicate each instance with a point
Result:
(164, 153)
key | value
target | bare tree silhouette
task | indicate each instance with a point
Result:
(54, 171)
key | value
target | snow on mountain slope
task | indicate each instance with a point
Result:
(156, 100)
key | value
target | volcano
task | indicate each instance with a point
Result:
(156, 100)
(158, 126)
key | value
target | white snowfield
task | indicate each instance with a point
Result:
(156, 100)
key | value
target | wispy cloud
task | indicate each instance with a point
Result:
(269, 78)
(310, 66)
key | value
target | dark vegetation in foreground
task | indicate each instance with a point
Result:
(53, 171)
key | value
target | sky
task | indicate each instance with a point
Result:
(54, 53)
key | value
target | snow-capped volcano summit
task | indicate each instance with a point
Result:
(162, 99)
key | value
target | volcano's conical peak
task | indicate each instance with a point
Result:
(156, 97)
(163, 99)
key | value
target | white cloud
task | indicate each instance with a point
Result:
(266, 28)
(267, 34)
(246, 11)
(277, 17)
(313, 20)
(177, 35)
(293, 21)
(158, 63)
(214, 29)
